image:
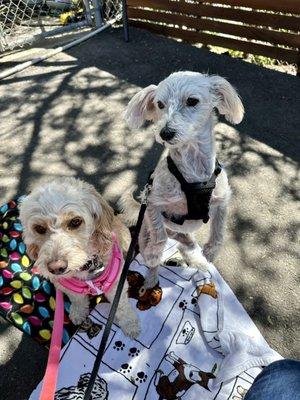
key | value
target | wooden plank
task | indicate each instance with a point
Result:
(290, 56)
(287, 39)
(289, 6)
(203, 10)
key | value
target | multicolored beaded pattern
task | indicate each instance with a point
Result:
(26, 299)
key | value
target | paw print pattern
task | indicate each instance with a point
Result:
(133, 351)
(119, 345)
(125, 368)
(141, 377)
(183, 304)
(194, 301)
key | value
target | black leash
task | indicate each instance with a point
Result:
(114, 306)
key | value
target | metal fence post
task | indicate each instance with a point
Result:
(88, 15)
(97, 13)
(2, 41)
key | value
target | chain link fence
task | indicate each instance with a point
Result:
(22, 22)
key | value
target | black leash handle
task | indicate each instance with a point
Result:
(114, 306)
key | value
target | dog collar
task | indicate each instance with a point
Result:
(197, 195)
(101, 284)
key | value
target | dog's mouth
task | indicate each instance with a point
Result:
(92, 264)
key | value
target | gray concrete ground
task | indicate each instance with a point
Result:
(63, 117)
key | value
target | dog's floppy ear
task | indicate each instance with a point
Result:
(141, 107)
(103, 214)
(105, 220)
(227, 100)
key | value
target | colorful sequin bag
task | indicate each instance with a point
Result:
(26, 299)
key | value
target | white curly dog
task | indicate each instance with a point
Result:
(189, 186)
(71, 231)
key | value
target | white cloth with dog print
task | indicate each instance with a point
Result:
(197, 343)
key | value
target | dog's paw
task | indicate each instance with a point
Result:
(78, 319)
(78, 315)
(130, 326)
(210, 251)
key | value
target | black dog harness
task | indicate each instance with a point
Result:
(197, 194)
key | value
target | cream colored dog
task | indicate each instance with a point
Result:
(182, 106)
(68, 232)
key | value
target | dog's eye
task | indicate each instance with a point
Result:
(75, 223)
(160, 105)
(40, 229)
(192, 102)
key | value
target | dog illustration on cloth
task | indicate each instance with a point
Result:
(100, 391)
(174, 385)
(147, 298)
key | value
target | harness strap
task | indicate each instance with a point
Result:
(197, 194)
(175, 171)
(189, 186)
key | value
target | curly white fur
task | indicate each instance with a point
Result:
(53, 242)
(193, 150)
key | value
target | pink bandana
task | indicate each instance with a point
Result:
(101, 284)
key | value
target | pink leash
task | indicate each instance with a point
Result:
(50, 378)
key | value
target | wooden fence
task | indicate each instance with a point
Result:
(245, 25)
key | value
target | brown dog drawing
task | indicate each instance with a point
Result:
(145, 299)
(209, 289)
(174, 385)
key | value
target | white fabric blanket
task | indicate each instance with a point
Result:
(197, 343)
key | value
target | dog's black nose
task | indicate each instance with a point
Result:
(167, 134)
(58, 271)
(57, 267)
